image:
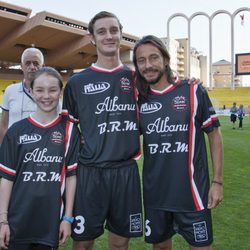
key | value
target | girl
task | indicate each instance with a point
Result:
(38, 161)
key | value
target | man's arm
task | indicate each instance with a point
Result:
(215, 195)
(4, 124)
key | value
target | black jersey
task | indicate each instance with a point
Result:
(104, 102)
(38, 159)
(175, 169)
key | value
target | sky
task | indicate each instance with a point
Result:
(143, 17)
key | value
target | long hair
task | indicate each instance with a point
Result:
(100, 15)
(141, 84)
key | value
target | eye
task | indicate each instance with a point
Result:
(141, 61)
(38, 90)
(114, 30)
(27, 63)
(101, 32)
(53, 90)
(36, 64)
(154, 57)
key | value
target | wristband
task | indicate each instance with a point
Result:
(68, 219)
(217, 182)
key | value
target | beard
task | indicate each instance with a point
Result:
(153, 81)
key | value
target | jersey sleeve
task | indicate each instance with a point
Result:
(8, 162)
(69, 106)
(209, 118)
(72, 150)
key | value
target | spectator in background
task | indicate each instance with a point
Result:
(17, 101)
(233, 116)
(241, 113)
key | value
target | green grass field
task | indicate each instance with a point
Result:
(231, 219)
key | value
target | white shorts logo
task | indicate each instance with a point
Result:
(135, 223)
(200, 231)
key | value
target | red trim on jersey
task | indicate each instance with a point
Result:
(97, 69)
(63, 172)
(64, 112)
(7, 170)
(40, 125)
(209, 121)
(67, 136)
(72, 167)
(166, 90)
(63, 184)
(191, 147)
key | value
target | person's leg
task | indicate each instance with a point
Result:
(117, 242)
(165, 245)
(83, 245)
(240, 122)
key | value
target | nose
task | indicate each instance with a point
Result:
(108, 35)
(33, 66)
(46, 94)
(148, 63)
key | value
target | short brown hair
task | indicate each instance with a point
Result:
(100, 15)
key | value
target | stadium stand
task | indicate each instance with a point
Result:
(224, 97)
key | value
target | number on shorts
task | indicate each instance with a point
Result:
(79, 229)
(147, 228)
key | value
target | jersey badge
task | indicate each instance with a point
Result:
(180, 103)
(125, 84)
(57, 138)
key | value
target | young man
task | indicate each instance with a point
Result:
(103, 99)
(17, 101)
(173, 119)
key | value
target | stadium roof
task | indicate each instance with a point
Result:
(65, 42)
(222, 62)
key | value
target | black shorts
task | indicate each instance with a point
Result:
(111, 195)
(233, 118)
(195, 227)
(13, 246)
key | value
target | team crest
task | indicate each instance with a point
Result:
(57, 138)
(125, 84)
(180, 103)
